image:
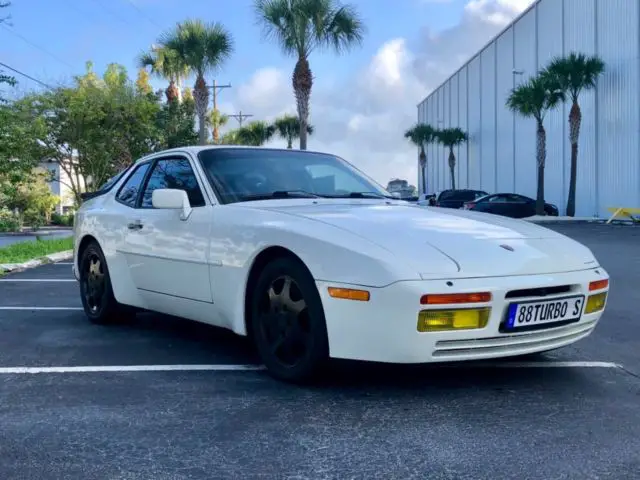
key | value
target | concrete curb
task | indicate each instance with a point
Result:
(36, 262)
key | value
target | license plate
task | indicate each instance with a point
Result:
(527, 314)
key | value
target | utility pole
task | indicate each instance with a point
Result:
(240, 116)
(217, 87)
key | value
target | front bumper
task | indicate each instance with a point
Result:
(384, 329)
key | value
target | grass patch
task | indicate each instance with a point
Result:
(30, 249)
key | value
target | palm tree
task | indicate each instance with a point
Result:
(202, 47)
(573, 74)
(302, 26)
(421, 134)
(288, 127)
(217, 120)
(451, 137)
(534, 98)
(164, 63)
(255, 133)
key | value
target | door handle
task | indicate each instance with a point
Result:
(137, 225)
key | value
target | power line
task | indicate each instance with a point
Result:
(240, 116)
(113, 14)
(26, 76)
(26, 40)
(141, 12)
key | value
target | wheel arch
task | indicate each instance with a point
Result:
(259, 262)
(84, 242)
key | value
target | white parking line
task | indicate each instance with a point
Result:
(62, 263)
(251, 368)
(40, 308)
(131, 368)
(13, 280)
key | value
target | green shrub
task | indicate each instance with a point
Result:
(8, 221)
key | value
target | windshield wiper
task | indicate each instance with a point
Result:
(364, 195)
(280, 194)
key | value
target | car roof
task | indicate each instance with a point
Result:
(195, 149)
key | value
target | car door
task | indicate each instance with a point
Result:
(519, 206)
(167, 255)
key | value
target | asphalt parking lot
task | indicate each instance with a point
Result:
(573, 413)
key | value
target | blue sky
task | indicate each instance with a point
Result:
(361, 104)
(104, 31)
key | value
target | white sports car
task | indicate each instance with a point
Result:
(312, 259)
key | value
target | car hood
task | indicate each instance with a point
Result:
(480, 244)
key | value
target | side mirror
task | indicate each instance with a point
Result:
(172, 199)
(396, 194)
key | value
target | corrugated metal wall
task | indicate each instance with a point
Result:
(500, 154)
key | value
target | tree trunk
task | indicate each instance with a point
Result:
(423, 167)
(201, 97)
(289, 141)
(575, 118)
(302, 82)
(541, 154)
(172, 92)
(452, 167)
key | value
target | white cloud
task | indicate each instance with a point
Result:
(364, 118)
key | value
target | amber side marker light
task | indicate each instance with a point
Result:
(349, 294)
(598, 285)
(446, 320)
(455, 298)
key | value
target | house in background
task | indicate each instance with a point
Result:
(402, 188)
(60, 186)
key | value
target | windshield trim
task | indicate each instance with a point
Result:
(219, 190)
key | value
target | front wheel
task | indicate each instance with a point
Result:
(98, 301)
(287, 321)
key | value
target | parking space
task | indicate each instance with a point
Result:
(576, 414)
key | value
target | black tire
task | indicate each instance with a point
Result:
(96, 292)
(300, 328)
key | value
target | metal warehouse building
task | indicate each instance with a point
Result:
(500, 154)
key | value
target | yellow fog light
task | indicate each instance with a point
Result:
(442, 320)
(595, 303)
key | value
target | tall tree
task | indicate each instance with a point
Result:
(421, 134)
(451, 137)
(217, 120)
(165, 63)
(95, 127)
(254, 133)
(534, 98)
(573, 74)
(288, 128)
(176, 122)
(202, 47)
(302, 26)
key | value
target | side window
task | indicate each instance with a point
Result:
(129, 191)
(173, 173)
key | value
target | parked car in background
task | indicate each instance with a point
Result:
(509, 205)
(457, 198)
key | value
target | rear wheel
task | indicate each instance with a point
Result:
(96, 292)
(287, 321)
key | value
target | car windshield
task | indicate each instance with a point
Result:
(243, 174)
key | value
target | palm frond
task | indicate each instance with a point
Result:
(420, 134)
(575, 72)
(534, 97)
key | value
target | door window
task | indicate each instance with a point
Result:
(128, 194)
(173, 173)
